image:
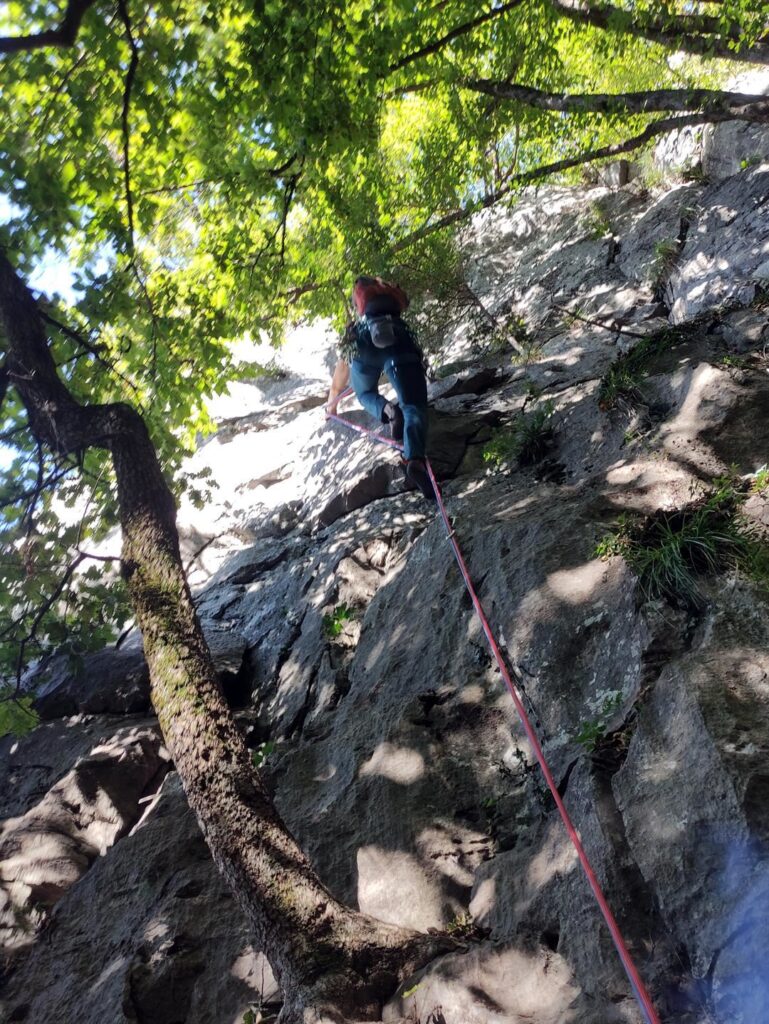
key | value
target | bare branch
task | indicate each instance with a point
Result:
(42, 483)
(613, 328)
(129, 81)
(42, 611)
(288, 196)
(667, 124)
(234, 176)
(64, 35)
(455, 33)
(693, 33)
(736, 105)
(93, 350)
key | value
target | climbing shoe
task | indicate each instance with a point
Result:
(392, 414)
(416, 474)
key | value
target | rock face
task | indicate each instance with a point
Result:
(358, 669)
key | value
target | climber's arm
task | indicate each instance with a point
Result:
(339, 382)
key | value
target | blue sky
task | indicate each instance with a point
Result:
(52, 274)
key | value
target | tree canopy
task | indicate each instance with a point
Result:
(215, 170)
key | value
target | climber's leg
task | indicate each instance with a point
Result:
(365, 380)
(410, 385)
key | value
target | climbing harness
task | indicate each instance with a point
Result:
(509, 675)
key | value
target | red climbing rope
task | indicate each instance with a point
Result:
(624, 954)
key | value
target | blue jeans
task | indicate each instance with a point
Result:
(403, 367)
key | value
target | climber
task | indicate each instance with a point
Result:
(378, 341)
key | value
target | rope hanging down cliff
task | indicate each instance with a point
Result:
(512, 682)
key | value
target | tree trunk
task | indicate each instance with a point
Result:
(330, 961)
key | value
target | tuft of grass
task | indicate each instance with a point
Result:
(525, 442)
(760, 480)
(623, 380)
(333, 621)
(595, 221)
(671, 552)
(733, 362)
(666, 252)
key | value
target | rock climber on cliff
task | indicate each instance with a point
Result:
(380, 341)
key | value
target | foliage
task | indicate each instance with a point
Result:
(261, 752)
(257, 1016)
(334, 621)
(605, 705)
(17, 715)
(671, 552)
(525, 442)
(461, 925)
(729, 361)
(751, 161)
(212, 173)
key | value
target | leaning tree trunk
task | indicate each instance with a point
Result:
(330, 961)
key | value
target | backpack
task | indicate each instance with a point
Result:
(382, 331)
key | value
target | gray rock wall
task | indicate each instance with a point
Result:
(394, 752)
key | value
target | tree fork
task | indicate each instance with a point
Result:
(329, 960)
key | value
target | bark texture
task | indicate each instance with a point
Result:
(330, 961)
(698, 34)
(721, 105)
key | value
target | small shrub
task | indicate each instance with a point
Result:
(593, 731)
(333, 622)
(654, 177)
(515, 331)
(261, 752)
(525, 442)
(461, 926)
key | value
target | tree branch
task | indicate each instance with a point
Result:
(41, 484)
(736, 105)
(129, 81)
(64, 35)
(667, 124)
(455, 33)
(93, 350)
(692, 33)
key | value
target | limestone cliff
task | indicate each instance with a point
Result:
(361, 676)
